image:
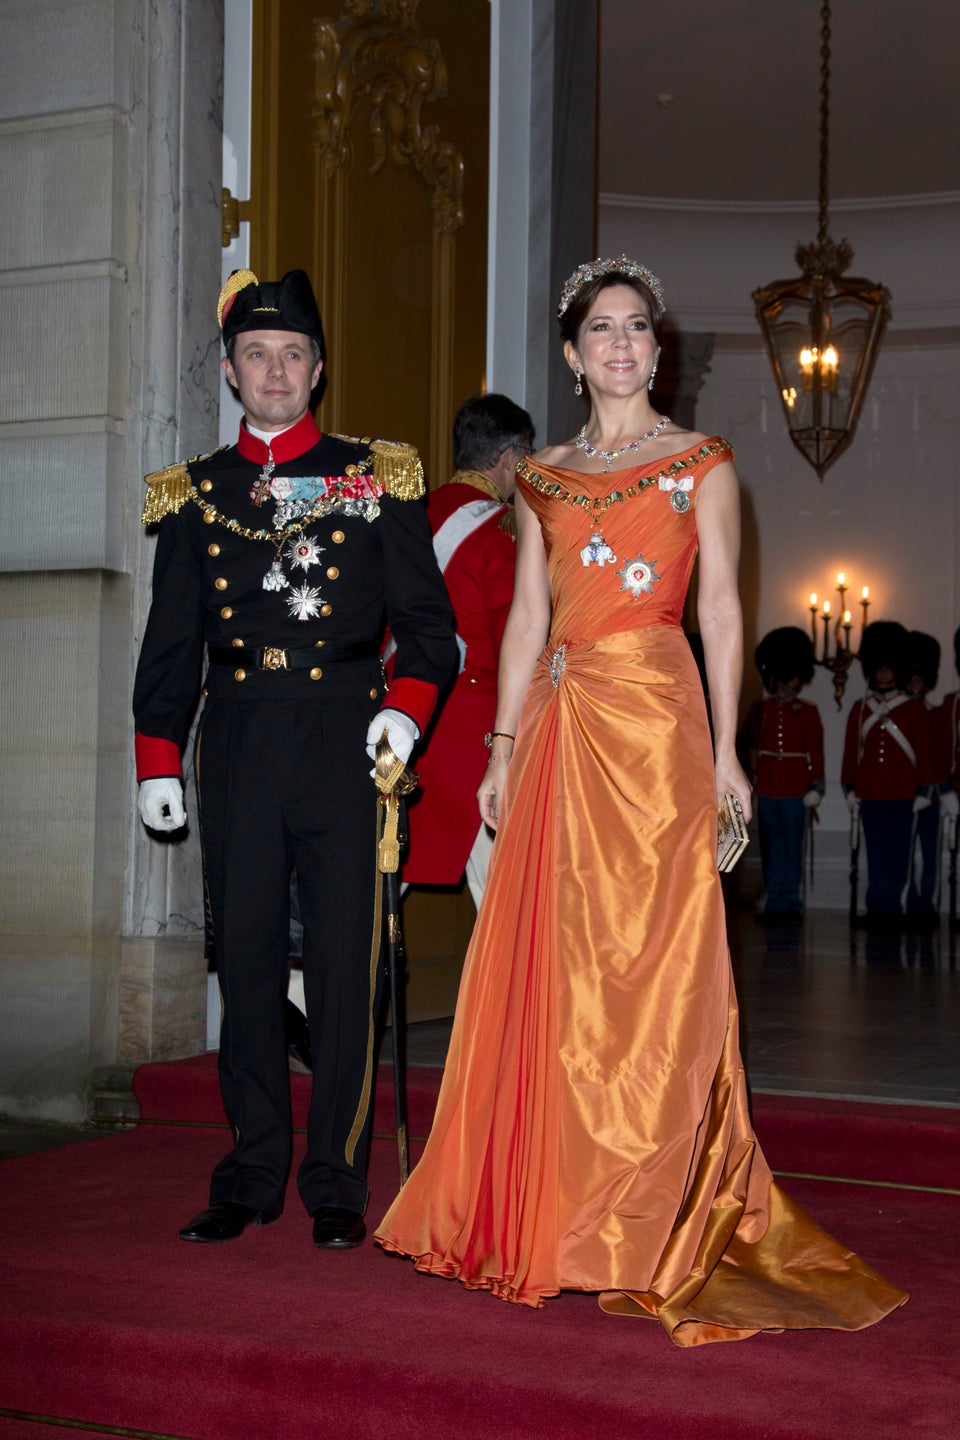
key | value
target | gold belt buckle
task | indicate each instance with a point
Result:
(274, 658)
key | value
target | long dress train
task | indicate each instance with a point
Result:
(592, 1130)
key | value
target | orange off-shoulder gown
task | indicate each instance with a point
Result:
(592, 1130)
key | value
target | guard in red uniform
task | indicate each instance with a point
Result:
(473, 536)
(781, 744)
(279, 560)
(947, 745)
(888, 765)
(923, 890)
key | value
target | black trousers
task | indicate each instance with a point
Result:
(284, 786)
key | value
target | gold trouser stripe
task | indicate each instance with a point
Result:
(367, 1090)
(99, 1429)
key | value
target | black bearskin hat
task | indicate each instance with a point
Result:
(288, 304)
(784, 654)
(885, 645)
(923, 657)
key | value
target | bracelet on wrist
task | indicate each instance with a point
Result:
(492, 735)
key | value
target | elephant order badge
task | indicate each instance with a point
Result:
(598, 552)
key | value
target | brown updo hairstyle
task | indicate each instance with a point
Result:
(576, 312)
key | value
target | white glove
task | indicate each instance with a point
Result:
(812, 799)
(853, 803)
(160, 803)
(950, 804)
(921, 803)
(402, 733)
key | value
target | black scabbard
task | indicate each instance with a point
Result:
(396, 980)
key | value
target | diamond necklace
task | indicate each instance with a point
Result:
(592, 453)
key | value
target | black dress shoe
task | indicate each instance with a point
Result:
(223, 1222)
(337, 1229)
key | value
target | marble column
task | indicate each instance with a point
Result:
(110, 149)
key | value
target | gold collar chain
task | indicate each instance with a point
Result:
(600, 504)
(212, 515)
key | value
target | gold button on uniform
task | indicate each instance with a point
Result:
(338, 537)
(373, 694)
(239, 674)
(316, 673)
(220, 583)
(319, 644)
(226, 612)
(332, 572)
(208, 517)
(326, 609)
(206, 486)
(213, 549)
(237, 643)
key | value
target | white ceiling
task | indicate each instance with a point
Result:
(718, 100)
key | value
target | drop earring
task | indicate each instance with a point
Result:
(578, 388)
(653, 373)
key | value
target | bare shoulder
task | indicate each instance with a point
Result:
(559, 455)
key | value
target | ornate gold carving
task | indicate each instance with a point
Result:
(374, 53)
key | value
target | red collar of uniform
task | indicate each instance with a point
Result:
(288, 445)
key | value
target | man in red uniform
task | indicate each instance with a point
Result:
(473, 536)
(782, 745)
(887, 765)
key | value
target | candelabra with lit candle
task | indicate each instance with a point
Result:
(837, 655)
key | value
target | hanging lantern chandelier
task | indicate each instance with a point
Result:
(823, 328)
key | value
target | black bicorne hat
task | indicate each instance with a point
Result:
(247, 303)
(785, 654)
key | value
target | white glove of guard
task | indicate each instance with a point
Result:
(853, 803)
(812, 799)
(402, 733)
(950, 804)
(160, 803)
(921, 803)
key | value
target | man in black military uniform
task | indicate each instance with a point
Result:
(285, 555)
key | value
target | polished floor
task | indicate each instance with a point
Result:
(825, 1010)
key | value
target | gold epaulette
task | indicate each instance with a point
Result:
(169, 489)
(398, 469)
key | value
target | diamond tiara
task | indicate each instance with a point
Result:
(595, 268)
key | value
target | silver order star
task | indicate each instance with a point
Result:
(638, 576)
(303, 551)
(304, 603)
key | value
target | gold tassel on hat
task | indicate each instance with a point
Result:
(167, 491)
(236, 282)
(398, 468)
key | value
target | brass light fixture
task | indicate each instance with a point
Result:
(823, 328)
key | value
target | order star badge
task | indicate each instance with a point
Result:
(304, 603)
(303, 551)
(638, 576)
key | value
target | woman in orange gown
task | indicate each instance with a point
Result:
(592, 1130)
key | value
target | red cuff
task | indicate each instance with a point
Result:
(156, 758)
(414, 697)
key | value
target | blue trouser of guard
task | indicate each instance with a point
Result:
(782, 823)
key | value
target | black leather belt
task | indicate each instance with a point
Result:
(278, 657)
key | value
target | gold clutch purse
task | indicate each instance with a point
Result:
(732, 837)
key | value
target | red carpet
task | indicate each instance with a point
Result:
(108, 1320)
